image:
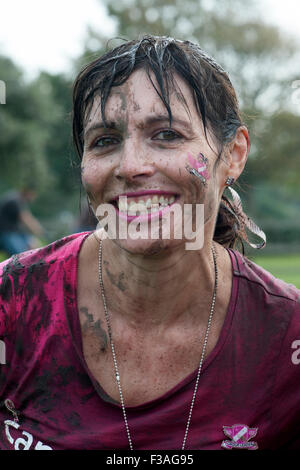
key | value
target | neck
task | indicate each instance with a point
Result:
(158, 289)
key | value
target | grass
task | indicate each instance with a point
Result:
(285, 267)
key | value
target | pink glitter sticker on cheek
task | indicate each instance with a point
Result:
(200, 167)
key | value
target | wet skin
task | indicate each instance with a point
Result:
(139, 150)
(158, 293)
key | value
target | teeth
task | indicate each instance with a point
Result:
(144, 206)
(122, 204)
(132, 206)
(137, 207)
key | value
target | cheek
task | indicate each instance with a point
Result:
(86, 179)
(91, 178)
(199, 165)
(87, 186)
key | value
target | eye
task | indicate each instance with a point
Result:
(167, 135)
(105, 141)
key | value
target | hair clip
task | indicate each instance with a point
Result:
(247, 222)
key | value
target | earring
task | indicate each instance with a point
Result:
(229, 181)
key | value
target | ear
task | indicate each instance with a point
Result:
(238, 152)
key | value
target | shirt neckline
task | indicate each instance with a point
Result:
(75, 331)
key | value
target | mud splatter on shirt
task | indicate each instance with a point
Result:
(248, 379)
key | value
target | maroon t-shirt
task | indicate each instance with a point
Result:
(249, 389)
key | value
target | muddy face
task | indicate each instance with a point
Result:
(139, 154)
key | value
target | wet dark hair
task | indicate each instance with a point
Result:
(214, 96)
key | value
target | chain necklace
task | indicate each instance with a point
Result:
(117, 375)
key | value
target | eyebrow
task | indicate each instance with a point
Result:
(98, 126)
(165, 118)
(149, 121)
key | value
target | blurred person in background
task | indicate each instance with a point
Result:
(19, 229)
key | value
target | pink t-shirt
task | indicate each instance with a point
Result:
(249, 389)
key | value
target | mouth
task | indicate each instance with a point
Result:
(138, 204)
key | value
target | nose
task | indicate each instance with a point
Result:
(135, 163)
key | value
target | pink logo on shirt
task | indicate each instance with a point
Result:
(239, 435)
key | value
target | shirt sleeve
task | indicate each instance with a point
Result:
(286, 396)
(7, 330)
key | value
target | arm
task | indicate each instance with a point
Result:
(31, 223)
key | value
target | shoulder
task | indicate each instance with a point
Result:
(261, 279)
(271, 302)
(59, 249)
(23, 267)
(269, 308)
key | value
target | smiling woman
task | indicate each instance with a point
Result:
(138, 342)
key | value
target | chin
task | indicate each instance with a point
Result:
(147, 247)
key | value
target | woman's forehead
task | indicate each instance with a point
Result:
(138, 96)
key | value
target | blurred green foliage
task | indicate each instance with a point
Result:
(285, 267)
(35, 124)
(23, 136)
(35, 140)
